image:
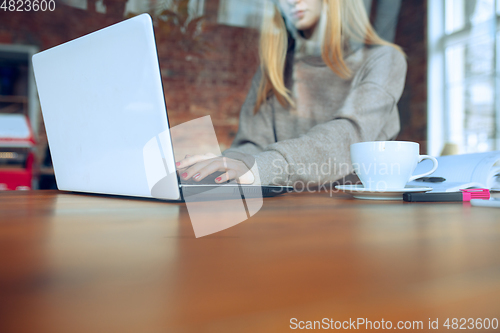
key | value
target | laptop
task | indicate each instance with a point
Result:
(106, 120)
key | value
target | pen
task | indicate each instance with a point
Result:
(431, 179)
(463, 195)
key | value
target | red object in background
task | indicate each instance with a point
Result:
(16, 132)
(18, 179)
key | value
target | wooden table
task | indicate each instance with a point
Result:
(88, 263)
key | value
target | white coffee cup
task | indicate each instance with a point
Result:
(387, 165)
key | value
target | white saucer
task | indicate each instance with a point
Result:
(360, 192)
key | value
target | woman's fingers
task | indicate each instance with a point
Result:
(239, 172)
(233, 169)
(189, 160)
(201, 170)
(193, 159)
(227, 176)
(194, 169)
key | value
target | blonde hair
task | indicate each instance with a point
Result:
(345, 20)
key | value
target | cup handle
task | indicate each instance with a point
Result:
(420, 159)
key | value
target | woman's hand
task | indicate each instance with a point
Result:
(200, 166)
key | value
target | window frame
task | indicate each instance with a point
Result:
(437, 42)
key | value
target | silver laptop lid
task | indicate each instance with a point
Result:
(104, 111)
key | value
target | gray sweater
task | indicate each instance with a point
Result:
(314, 138)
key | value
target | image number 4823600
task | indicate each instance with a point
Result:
(27, 5)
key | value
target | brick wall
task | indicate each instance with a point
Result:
(214, 84)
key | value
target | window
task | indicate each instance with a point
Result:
(463, 88)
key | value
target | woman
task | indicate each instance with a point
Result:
(326, 81)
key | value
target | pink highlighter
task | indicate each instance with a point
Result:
(476, 193)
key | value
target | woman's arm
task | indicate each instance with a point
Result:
(322, 155)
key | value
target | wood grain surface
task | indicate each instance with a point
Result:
(91, 263)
